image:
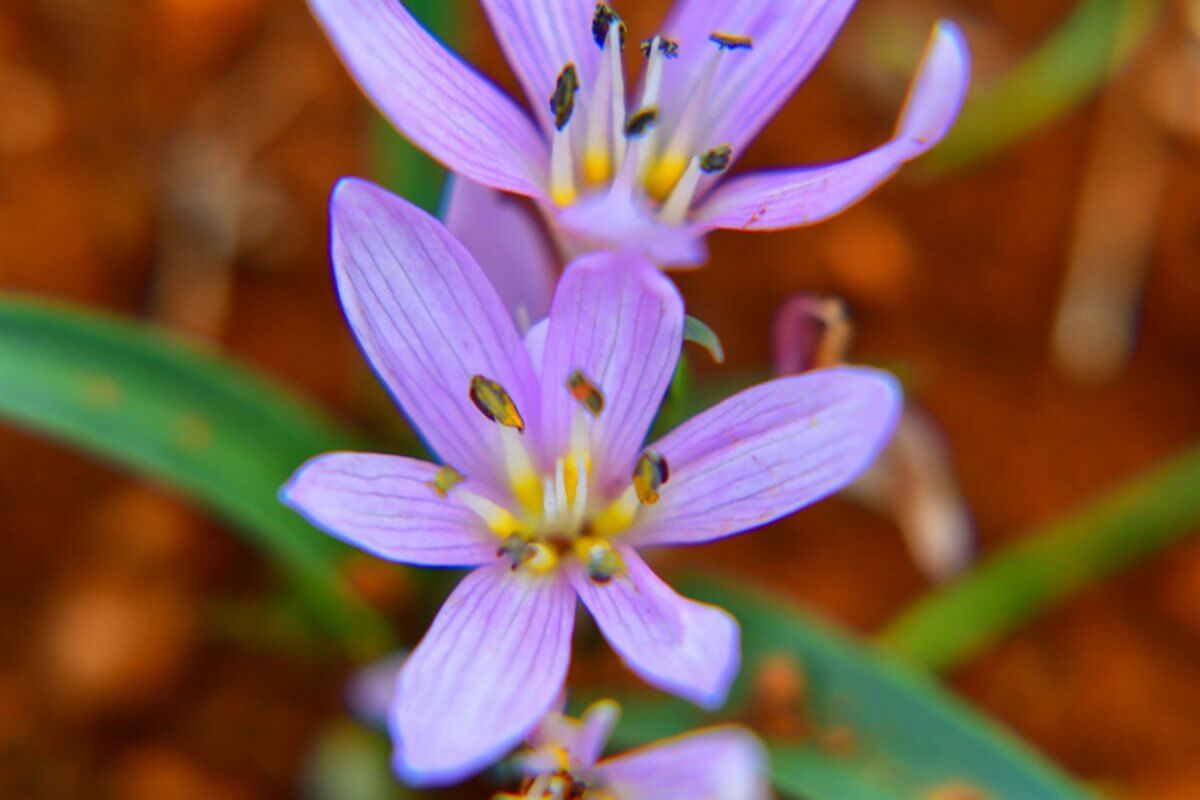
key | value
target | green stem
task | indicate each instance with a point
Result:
(946, 628)
(395, 162)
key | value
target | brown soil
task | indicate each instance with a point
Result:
(121, 673)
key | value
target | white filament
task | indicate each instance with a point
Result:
(562, 167)
(650, 99)
(613, 49)
(687, 128)
(675, 210)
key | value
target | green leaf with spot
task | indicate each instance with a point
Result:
(193, 420)
(874, 728)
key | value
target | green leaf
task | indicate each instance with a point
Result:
(145, 399)
(1096, 40)
(902, 737)
(1129, 524)
(699, 333)
(353, 763)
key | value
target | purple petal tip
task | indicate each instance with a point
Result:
(940, 87)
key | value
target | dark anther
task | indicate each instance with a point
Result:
(562, 102)
(586, 392)
(495, 403)
(649, 474)
(716, 159)
(602, 21)
(729, 41)
(641, 122)
(668, 47)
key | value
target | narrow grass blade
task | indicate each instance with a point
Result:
(1127, 525)
(192, 420)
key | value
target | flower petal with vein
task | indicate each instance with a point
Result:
(546, 488)
(618, 165)
(563, 761)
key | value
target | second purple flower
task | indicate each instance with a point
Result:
(545, 487)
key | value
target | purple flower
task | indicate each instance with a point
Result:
(613, 169)
(563, 761)
(546, 488)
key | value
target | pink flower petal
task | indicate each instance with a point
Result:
(428, 320)
(488, 670)
(681, 646)
(445, 107)
(619, 320)
(539, 37)
(505, 236)
(727, 763)
(767, 452)
(387, 506)
(791, 197)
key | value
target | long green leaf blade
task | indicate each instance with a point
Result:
(144, 399)
(903, 738)
(1129, 524)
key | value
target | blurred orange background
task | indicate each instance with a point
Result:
(171, 160)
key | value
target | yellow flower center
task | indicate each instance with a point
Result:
(559, 514)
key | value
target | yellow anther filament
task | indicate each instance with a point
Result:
(522, 474)
(540, 557)
(562, 169)
(597, 165)
(675, 210)
(499, 519)
(665, 173)
(617, 516)
(570, 472)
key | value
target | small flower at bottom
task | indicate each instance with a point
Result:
(563, 762)
(547, 489)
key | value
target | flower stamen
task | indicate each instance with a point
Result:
(656, 50)
(446, 478)
(495, 403)
(671, 165)
(616, 43)
(641, 122)
(676, 208)
(717, 159)
(586, 392)
(562, 161)
(649, 475)
(601, 560)
(731, 41)
(603, 21)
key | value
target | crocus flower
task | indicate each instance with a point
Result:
(619, 169)
(563, 761)
(545, 488)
